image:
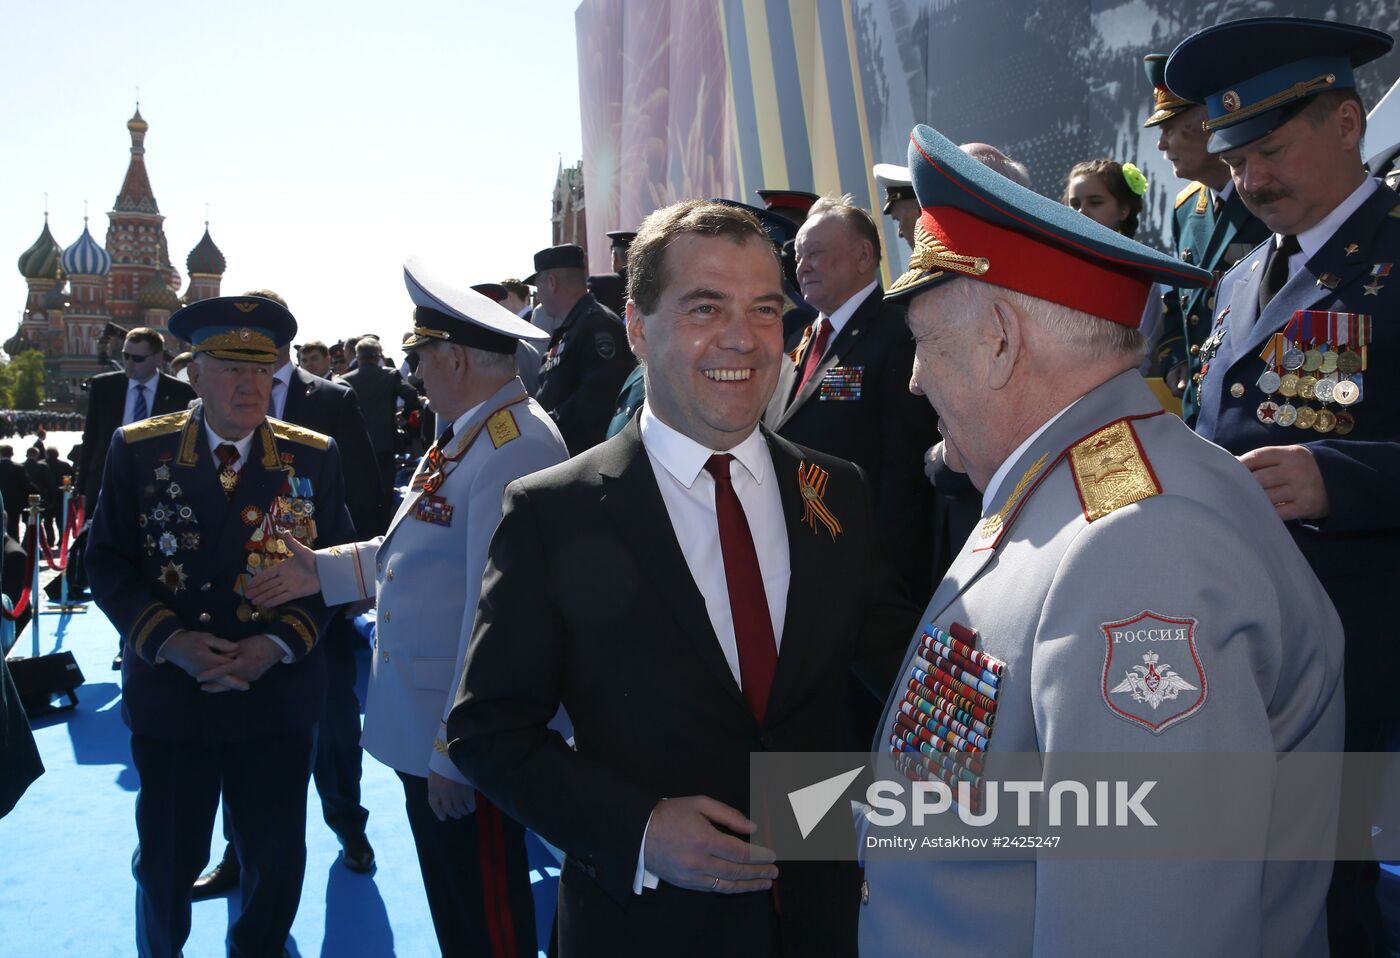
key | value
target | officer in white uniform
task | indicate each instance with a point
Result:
(425, 576)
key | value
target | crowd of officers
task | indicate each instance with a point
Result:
(1264, 336)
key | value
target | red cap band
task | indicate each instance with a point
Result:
(1021, 262)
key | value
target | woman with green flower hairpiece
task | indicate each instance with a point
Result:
(1108, 192)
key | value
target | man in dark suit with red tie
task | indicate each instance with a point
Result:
(847, 391)
(692, 591)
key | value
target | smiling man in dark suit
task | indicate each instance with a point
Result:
(691, 591)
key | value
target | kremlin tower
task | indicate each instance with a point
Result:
(75, 292)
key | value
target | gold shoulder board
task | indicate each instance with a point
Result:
(307, 437)
(501, 428)
(1395, 211)
(1189, 192)
(1111, 470)
(157, 426)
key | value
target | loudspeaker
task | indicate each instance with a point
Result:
(43, 678)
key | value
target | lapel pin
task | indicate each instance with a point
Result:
(1352, 249)
(811, 482)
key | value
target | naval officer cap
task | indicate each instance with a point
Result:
(242, 329)
(1165, 103)
(1255, 75)
(622, 239)
(564, 256)
(894, 180)
(976, 223)
(449, 313)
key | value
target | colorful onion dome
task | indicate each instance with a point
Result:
(206, 257)
(85, 257)
(40, 261)
(137, 124)
(156, 295)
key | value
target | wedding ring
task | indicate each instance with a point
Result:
(716, 884)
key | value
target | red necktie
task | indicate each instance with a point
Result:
(753, 626)
(815, 349)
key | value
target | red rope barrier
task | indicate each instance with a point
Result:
(70, 531)
(23, 603)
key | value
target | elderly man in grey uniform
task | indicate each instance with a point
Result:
(425, 575)
(1025, 322)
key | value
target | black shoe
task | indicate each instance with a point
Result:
(357, 854)
(117, 662)
(219, 880)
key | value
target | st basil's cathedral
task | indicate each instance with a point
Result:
(76, 292)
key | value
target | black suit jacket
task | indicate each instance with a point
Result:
(106, 404)
(377, 388)
(332, 409)
(587, 601)
(857, 406)
(14, 492)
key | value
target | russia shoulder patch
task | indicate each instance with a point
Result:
(502, 428)
(1152, 670)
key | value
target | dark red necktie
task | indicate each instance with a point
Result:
(815, 349)
(753, 626)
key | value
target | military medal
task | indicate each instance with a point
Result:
(1307, 416)
(433, 509)
(168, 545)
(1286, 415)
(1293, 359)
(162, 473)
(1306, 385)
(1270, 381)
(1326, 421)
(1323, 389)
(1267, 412)
(172, 576)
(1346, 393)
(1288, 385)
(1345, 422)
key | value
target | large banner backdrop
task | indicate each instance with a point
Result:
(700, 98)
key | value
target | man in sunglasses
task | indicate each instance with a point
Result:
(116, 399)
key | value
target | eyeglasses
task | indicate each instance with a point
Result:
(133, 358)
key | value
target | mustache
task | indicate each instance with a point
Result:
(1264, 197)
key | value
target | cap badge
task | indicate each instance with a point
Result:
(245, 334)
(1230, 100)
(246, 307)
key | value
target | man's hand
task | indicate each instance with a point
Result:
(1290, 476)
(251, 658)
(449, 799)
(1175, 378)
(294, 577)
(197, 652)
(684, 847)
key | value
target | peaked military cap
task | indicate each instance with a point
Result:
(794, 204)
(1256, 74)
(894, 180)
(244, 329)
(563, 256)
(622, 238)
(447, 312)
(976, 223)
(492, 291)
(1165, 103)
(780, 229)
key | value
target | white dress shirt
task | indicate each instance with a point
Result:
(277, 402)
(843, 313)
(129, 410)
(689, 494)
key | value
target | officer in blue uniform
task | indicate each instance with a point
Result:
(217, 691)
(1211, 228)
(1300, 369)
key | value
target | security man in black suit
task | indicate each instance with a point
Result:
(219, 694)
(118, 399)
(379, 390)
(610, 289)
(588, 356)
(314, 403)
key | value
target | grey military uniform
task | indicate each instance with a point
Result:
(1087, 532)
(425, 574)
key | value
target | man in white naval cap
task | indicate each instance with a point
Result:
(425, 575)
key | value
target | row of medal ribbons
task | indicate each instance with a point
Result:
(1318, 357)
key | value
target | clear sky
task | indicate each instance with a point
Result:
(328, 139)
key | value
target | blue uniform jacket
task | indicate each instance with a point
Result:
(1353, 551)
(166, 551)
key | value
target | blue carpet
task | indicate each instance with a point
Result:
(65, 851)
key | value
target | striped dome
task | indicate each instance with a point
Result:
(205, 257)
(40, 261)
(156, 295)
(85, 257)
